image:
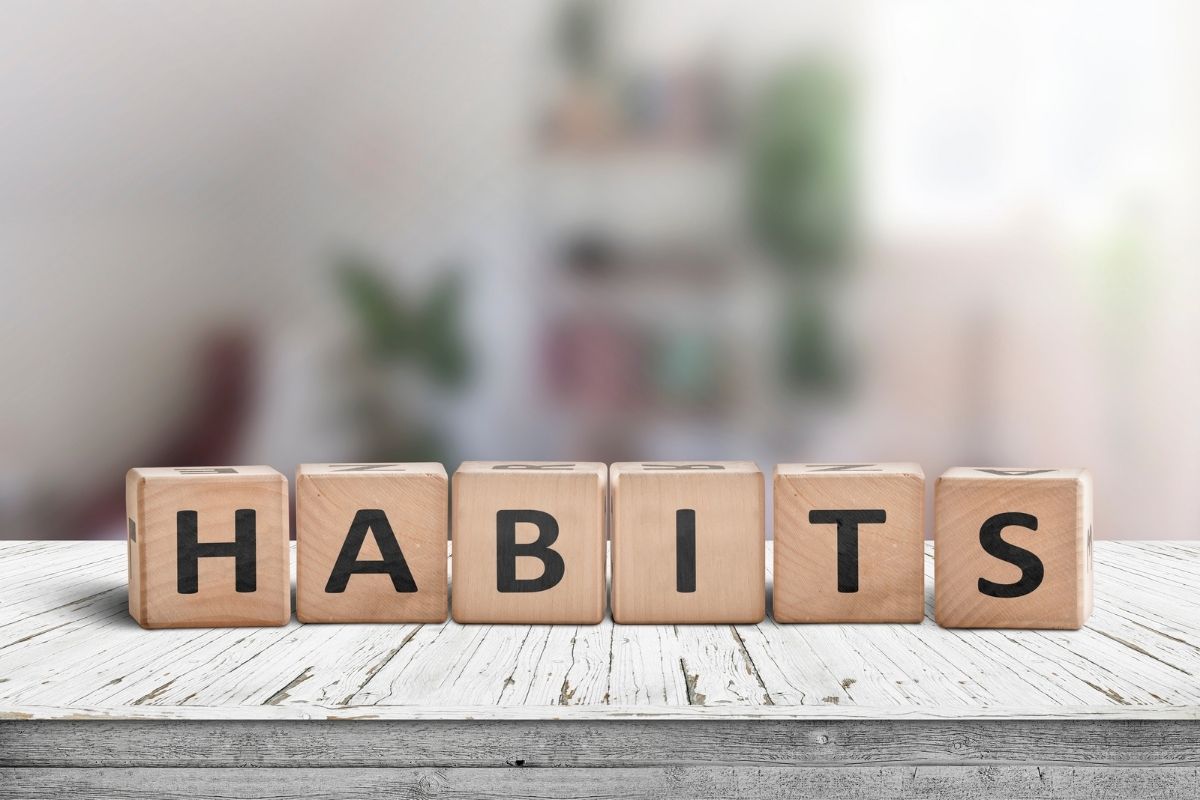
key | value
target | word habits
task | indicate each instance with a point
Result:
(208, 546)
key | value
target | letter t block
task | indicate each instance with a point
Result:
(208, 547)
(849, 543)
(528, 542)
(1013, 548)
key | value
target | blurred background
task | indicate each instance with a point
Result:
(944, 231)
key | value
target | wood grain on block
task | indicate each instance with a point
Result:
(688, 542)
(371, 543)
(529, 542)
(1013, 548)
(849, 543)
(208, 547)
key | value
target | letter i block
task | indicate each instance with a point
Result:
(688, 542)
(529, 542)
(849, 543)
(208, 547)
(371, 543)
(1013, 548)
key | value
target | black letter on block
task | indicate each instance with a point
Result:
(533, 467)
(393, 563)
(367, 468)
(843, 468)
(685, 550)
(1032, 569)
(682, 467)
(847, 522)
(507, 551)
(189, 551)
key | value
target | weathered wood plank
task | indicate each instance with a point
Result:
(573, 668)
(541, 743)
(69, 648)
(642, 672)
(431, 665)
(306, 711)
(335, 674)
(844, 783)
(38, 586)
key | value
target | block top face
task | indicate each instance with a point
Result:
(361, 470)
(203, 473)
(533, 467)
(684, 468)
(840, 470)
(1022, 473)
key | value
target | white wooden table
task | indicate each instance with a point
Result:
(91, 705)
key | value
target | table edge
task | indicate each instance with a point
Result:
(302, 712)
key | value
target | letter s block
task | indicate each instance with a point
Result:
(688, 542)
(1013, 548)
(529, 542)
(849, 543)
(371, 543)
(208, 547)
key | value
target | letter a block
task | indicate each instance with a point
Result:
(688, 542)
(849, 543)
(208, 547)
(529, 542)
(371, 543)
(1013, 548)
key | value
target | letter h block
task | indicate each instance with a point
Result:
(208, 547)
(1013, 548)
(688, 542)
(849, 543)
(371, 543)
(528, 542)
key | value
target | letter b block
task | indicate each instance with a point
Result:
(849, 543)
(371, 543)
(529, 542)
(688, 542)
(1013, 548)
(208, 547)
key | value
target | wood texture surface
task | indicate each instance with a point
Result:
(403, 505)
(68, 649)
(93, 706)
(1033, 782)
(598, 742)
(214, 503)
(879, 758)
(881, 577)
(565, 502)
(687, 542)
(622, 758)
(1037, 570)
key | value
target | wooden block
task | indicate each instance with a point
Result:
(849, 543)
(1013, 548)
(688, 542)
(208, 547)
(371, 543)
(529, 542)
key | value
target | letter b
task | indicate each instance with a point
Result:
(529, 542)
(508, 550)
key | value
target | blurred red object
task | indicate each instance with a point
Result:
(207, 435)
